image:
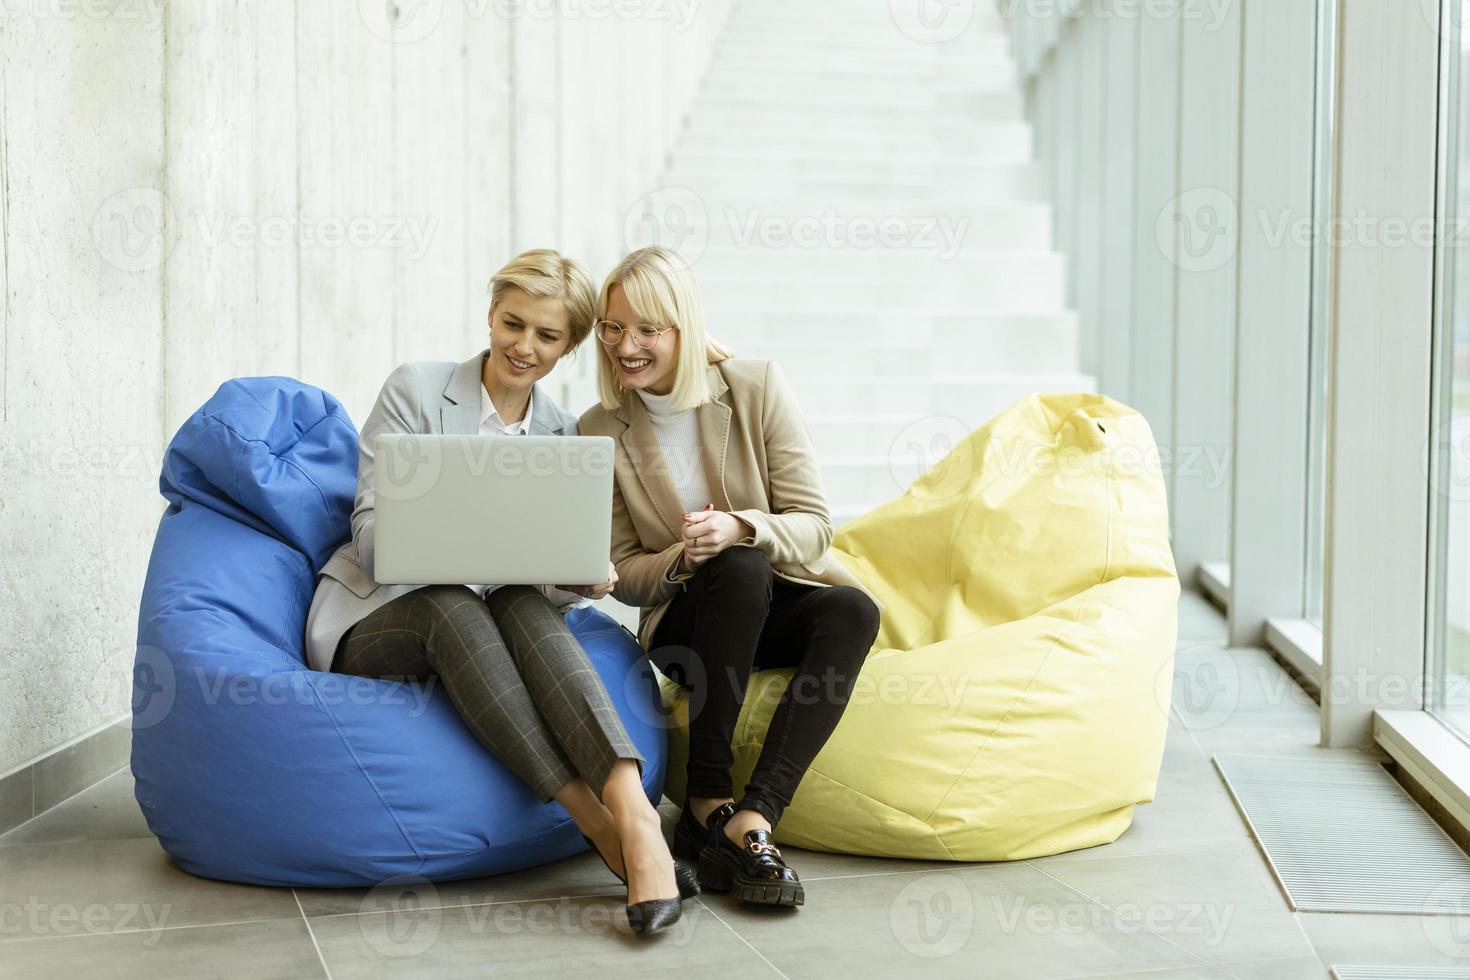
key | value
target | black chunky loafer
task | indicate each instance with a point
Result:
(689, 837)
(753, 871)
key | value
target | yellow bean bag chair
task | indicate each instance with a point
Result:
(1016, 700)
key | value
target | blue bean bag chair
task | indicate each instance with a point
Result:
(251, 767)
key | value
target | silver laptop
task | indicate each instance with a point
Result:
(504, 510)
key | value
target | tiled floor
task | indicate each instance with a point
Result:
(86, 892)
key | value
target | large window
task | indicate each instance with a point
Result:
(1322, 118)
(1448, 456)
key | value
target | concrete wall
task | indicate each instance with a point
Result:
(205, 189)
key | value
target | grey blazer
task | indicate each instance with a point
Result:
(438, 397)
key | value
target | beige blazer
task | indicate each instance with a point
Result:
(757, 456)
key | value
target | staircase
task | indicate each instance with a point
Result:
(862, 207)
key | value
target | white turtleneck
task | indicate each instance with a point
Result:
(678, 440)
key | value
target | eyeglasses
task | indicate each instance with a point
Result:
(645, 335)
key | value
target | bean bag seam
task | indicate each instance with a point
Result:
(218, 420)
(387, 807)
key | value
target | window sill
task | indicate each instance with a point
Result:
(1299, 643)
(1214, 579)
(1431, 755)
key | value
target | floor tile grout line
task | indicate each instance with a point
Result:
(541, 900)
(748, 945)
(134, 932)
(1099, 901)
(312, 933)
(125, 767)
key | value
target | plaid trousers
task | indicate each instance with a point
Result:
(516, 674)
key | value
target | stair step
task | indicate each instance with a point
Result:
(690, 167)
(958, 109)
(971, 400)
(736, 232)
(948, 142)
(989, 140)
(904, 350)
(1004, 183)
(750, 330)
(932, 252)
(733, 83)
(1028, 282)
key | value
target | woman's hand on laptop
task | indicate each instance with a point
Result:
(595, 591)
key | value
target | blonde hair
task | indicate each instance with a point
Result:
(546, 272)
(661, 289)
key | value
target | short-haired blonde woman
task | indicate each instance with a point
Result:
(517, 675)
(720, 534)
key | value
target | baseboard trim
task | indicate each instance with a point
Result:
(34, 787)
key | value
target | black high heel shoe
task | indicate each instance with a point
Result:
(684, 876)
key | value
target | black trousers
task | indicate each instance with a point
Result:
(734, 617)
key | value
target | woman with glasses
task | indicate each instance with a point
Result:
(720, 534)
(515, 672)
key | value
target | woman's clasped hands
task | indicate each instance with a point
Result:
(709, 532)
